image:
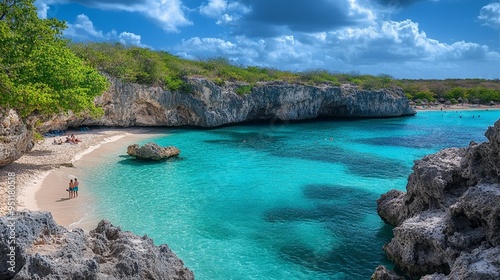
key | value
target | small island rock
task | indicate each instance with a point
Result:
(152, 151)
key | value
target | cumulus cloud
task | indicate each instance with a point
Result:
(398, 40)
(225, 12)
(391, 45)
(169, 14)
(43, 7)
(490, 15)
(83, 29)
(128, 38)
(214, 8)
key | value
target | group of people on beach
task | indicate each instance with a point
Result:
(69, 139)
(73, 188)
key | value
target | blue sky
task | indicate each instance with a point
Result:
(416, 39)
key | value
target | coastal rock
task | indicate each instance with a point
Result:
(211, 105)
(448, 221)
(389, 207)
(45, 250)
(382, 273)
(15, 137)
(151, 151)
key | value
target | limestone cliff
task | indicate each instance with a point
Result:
(210, 105)
(15, 137)
(448, 221)
(33, 246)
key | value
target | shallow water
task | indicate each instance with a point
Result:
(276, 201)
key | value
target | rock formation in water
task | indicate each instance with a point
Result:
(15, 137)
(210, 105)
(448, 221)
(33, 246)
(151, 151)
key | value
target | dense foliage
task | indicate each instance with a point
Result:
(160, 68)
(472, 90)
(39, 74)
(140, 65)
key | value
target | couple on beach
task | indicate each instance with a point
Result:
(69, 139)
(73, 188)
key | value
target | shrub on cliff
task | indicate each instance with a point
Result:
(160, 68)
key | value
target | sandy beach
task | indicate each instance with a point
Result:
(43, 174)
(455, 107)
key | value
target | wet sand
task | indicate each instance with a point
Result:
(42, 178)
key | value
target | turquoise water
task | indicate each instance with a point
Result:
(276, 200)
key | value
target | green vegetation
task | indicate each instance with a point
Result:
(472, 90)
(159, 68)
(39, 74)
(245, 89)
(38, 137)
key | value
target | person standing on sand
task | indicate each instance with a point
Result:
(75, 188)
(70, 189)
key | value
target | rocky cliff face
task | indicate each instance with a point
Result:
(15, 138)
(33, 246)
(210, 105)
(448, 221)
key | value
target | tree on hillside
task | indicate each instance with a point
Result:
(39, 74)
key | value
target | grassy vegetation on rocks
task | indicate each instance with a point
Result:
(160, 68)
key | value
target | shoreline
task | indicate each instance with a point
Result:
(39, 172)
(42, 174)
(456, 107)
(27, 199)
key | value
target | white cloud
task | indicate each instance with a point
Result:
(490, 15)
(83, 30)
(128, 38)
(214, 8)
(392, 47)
(43, 6)
(169, 14)
(393, 40)
(224, 12)
(225, 19)
(358, 10)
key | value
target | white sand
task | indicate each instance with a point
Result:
(41, 179)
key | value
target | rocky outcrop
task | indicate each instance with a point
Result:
(152, 151)
(210, 105)
(41, 249)
(448, 221)
(382, 273)
(15, 137)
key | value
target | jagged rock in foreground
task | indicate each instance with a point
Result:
(15, 138)
(152, 151)
(210, 105)
(45, 250)
(448, 221)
